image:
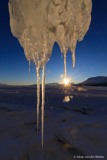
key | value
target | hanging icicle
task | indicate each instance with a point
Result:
(73, 59)
(65, 67)
(43, 102)
(29, 67)
(38, 95)
(64, 22)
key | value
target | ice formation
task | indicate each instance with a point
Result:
(67, 98)
(38, 24)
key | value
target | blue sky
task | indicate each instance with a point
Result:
(91, 53)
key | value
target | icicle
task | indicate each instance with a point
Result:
(37, 37)
(65, 69)
(74, 43)
(43, 102)
(73, 59)
(29, 68)
(38, 95)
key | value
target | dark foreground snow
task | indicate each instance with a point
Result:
(74, 130)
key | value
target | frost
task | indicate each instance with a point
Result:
(38, 24)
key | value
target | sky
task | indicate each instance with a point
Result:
(91, 53)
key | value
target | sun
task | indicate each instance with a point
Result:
(66, 81)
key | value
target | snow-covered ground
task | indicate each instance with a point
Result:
(73, 131)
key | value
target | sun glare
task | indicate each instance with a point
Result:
(66, 81)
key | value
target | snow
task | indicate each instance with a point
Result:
(67, 132)
(38, 24)
(85, 133)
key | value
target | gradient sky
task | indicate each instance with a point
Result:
(91, 53)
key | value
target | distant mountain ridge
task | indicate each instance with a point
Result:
(92, 81)
(95, 81)
(1, 84)
(31, 85)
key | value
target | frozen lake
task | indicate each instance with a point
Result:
(72, 130)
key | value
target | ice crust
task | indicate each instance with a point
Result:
(38, 24)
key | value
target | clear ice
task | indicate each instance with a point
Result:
(38, 24)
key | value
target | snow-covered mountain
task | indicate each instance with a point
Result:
(97, 81)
